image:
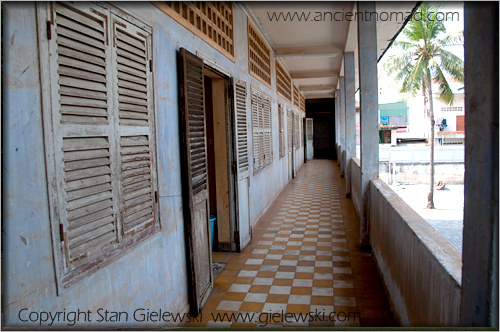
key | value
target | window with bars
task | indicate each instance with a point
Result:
(211, 21)
(283, 82)
(99, 136)
(261, 127)
(259, 56)
(281, 120)
(296, 96)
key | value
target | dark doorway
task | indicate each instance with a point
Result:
(322, 111)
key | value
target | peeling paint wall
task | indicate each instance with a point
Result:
(420, 269)
(152, 275)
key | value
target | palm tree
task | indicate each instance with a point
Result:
(423, 59)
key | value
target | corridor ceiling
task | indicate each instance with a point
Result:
(312, 48)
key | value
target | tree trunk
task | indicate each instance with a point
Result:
(430, 197)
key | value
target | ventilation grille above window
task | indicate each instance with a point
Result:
(302, 103)
(259, 56)
(296, 98)
(283, 82)
(211, 21)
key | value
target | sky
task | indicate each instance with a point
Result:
(388, 88)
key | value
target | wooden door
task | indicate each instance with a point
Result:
(242, 166)
(195, 178)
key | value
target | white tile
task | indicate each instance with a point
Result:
(308, 248)
(269, 235)
(340, 258)
(263, 281)
(299, 299)
(302, 282)
(285, 232)
(239, 288)
(260, 251)
(283, 290)
(339, 249)
(255, 297)
(325, 310)
(278, 247)
(346, 270)
(254, 261)
(271, 268)
(292, 252)
(323, 263)
(323, 276)
(307, 257)
(323, 253)
(287, 262)
(294, 243)
(322, 291)
(296, 236)
(285, 275)
(273, 228)
(218, 324)
(274, 307)
(265, 243)
(344, 301)
(272, 256)
(306, 269)
(339, 240)
(247, 273)
(343, 284)
(229, 305)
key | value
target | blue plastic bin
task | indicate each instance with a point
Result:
(212, 222)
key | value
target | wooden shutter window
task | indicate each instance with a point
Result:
(89, 197)
(256, 129)
(81, 56)
(309, 129)
(267, 126)
(302, 103)
(289, 129)
(261, 128)
(132, 65)
(196, 124)
(99, 136)
(240, 94)
(296, 134)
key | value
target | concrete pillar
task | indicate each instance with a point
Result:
(368, 98)
(350, 116)
(479, 299)
(342, 125)
(337, 124)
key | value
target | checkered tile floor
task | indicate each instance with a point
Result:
(303, 266)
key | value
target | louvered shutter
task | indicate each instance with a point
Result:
(136, 140)
(255, 101)
(296, 133)
(83, 140)
(267, 132)
(290, 130)
(281, 130)
(240, 97)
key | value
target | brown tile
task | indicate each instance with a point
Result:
(323, 283)
(252, 307)
(277, 298)
(266, 274)
(324, 258)
(290, 257)
(301, 291)
(344, 292)
(259, 289)
(322, 300)
(276, 252)
(230, 296)
(304, 275)
(243, 280)
(298, 308)
(234, 266)
(282, 282)
(229, 273)
(293, 247)
(321, 269)
(271, 262)
(305, 263)
(286, 268)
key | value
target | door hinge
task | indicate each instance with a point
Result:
(151, 65)
(233, 167)
(49, 30)
(237, 238)
(156, 196)
(61, 232)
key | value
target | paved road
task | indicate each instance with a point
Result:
(448, 216)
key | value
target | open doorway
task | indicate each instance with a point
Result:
(219, 157)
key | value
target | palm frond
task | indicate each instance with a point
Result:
(444, 90)
(452, 64)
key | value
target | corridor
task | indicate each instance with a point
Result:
(303, 266)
